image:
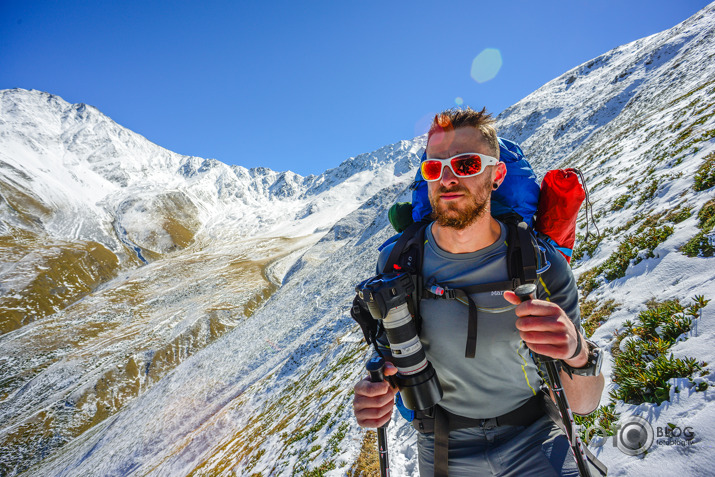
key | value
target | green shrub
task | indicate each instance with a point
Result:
(634, 248)
(630, 250)
(651, 384)
(707, 135)
(335, 439)
(619, 203)
(324, 468)
(594, 313)
(705, 177)
(636, 218)
(679, 215)
(706, 216)
(586, 246)
(665, 321)
(649, 191)
(588, 281)
(643, 369)
(604, 417)
(698, 246)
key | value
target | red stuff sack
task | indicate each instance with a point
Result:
(560, 199)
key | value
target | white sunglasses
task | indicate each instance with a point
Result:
(467, 164)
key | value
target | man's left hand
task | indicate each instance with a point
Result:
(547, 330)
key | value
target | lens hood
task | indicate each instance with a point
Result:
(420, 391)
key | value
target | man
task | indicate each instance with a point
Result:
(465, 246)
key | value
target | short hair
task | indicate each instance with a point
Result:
(455, 118)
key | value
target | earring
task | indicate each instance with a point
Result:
(495, 186)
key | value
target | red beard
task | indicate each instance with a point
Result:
(448, 214)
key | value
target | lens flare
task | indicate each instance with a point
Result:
(486, 65)
(423, 124)
(459, 101)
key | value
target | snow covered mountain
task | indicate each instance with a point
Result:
(121, 259)
(172, 315)
(71, 178)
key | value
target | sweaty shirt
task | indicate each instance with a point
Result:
(502, 376)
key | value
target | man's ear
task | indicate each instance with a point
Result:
(499, 172)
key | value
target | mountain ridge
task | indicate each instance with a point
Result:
(70, 173)
(621, 70)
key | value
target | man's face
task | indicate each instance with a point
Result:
(459, 201)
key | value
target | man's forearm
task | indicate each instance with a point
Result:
(583, 392)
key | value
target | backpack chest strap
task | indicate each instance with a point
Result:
(437, 292)
(464, 292)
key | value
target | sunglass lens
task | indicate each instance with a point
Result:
(467, 165)
(431, 170)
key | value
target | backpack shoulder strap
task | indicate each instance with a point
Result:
(406, 256)
(522, 251)
(407, 252)
(528, 253)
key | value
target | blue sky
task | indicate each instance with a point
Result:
(302, 86)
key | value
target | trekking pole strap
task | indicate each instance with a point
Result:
(554, 414)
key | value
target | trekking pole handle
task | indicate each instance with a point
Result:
(526, 292)
(376, 367)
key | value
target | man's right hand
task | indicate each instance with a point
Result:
(374, 402)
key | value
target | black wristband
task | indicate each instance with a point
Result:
(579, 346)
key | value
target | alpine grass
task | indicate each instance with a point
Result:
(367, 463)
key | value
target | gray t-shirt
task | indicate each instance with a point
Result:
(502, 376)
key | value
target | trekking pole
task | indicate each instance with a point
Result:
(528, 292)
(375, 367)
